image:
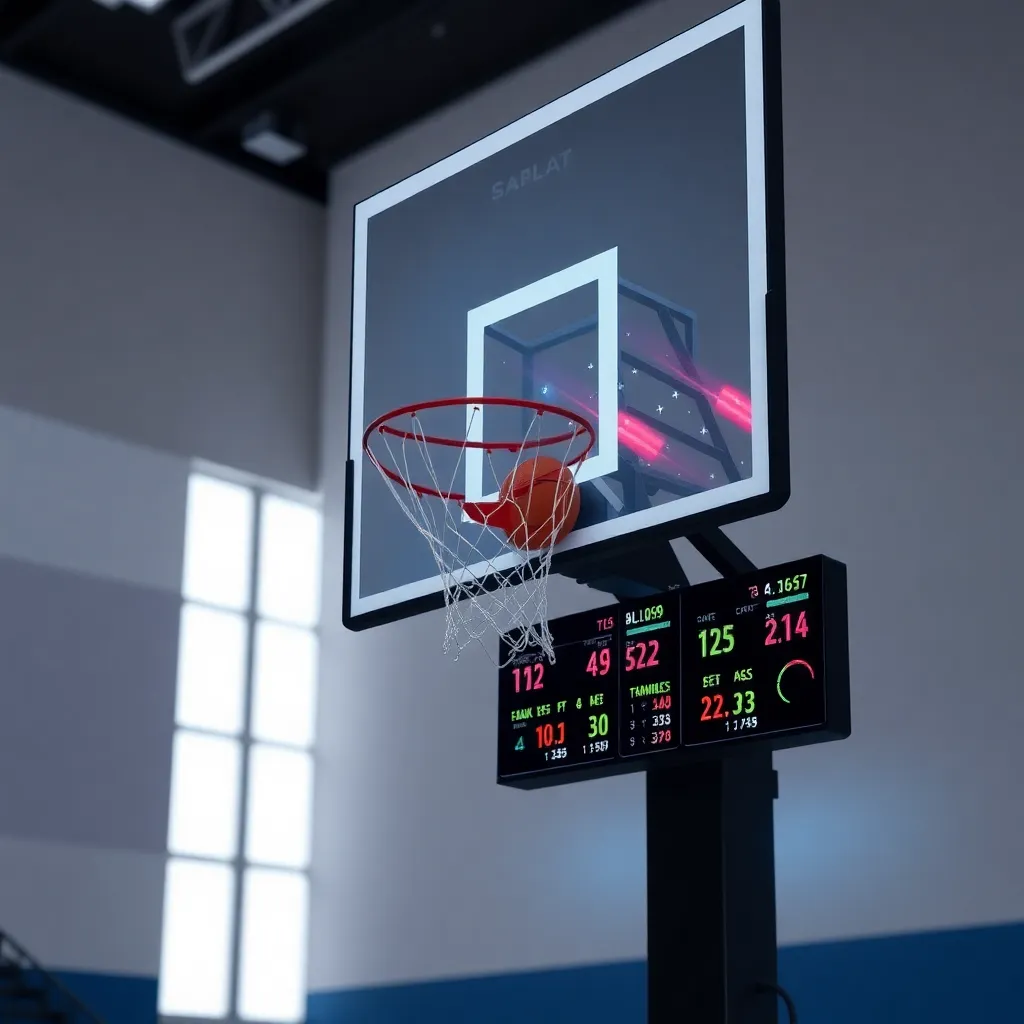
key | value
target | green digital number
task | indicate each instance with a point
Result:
(741, 697)
(650, 614)
(598, 726)
(791, 584)
(715, 641)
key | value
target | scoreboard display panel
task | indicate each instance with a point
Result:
(760, 660)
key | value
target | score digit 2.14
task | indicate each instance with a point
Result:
(757, 659)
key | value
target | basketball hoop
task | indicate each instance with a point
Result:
(493, 553)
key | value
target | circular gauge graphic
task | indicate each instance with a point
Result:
(796, 667)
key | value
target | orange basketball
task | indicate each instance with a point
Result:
(547, 499)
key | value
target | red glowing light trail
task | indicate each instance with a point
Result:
(735, 407)
(640, 438)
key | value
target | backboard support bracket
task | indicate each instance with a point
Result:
(651, 569)
(712, 948)
(721, 553)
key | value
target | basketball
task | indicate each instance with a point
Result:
(547, 498)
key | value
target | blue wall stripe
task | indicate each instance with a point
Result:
(938, 977)
(117, 998)
(609, 992)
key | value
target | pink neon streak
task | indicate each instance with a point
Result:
(727, 400)
(640, 438)
(735, 407)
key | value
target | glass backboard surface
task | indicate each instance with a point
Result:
(608, 253)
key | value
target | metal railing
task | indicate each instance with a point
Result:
(12, 954)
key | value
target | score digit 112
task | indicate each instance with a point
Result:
(529, 677)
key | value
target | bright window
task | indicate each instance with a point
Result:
(211, 670)
(289, 577)
(279, 805)
(195, 962)
(205, 781)
(284, 684)
(272, 978)
(245, 713)
(218, 543)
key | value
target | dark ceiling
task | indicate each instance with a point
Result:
(346, 74)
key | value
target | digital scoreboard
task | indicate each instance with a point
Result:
(760, 660)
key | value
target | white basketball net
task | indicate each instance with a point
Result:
(490, 585)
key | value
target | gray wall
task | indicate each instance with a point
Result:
(155, 308)
(77, 648)
(91, 542)
(153, 294)
(904, 163)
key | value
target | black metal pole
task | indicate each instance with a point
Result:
(712, 949)
(711, 941)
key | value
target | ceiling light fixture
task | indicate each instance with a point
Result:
(269, 140)
(146, 6)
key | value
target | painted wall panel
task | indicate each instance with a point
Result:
(152, 293)
(91, 504)
(88, 690)
(83, 908)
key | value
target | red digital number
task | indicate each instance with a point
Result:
(529, 677)
(550, 735)
(661, 736)
(716, 701)
(772, 625)
(600, 666)
(647, 656)
(662, 703)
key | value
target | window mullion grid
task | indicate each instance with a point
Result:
(251, 619)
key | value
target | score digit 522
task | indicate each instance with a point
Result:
(757, 660)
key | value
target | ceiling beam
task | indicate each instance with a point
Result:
(21, 20)
(202, 57)
(261, 83)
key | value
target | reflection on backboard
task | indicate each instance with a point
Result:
(610, 254)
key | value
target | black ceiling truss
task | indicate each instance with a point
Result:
(211, 35)
(345, 73)
(19, 21)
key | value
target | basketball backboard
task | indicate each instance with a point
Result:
(617, 252)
